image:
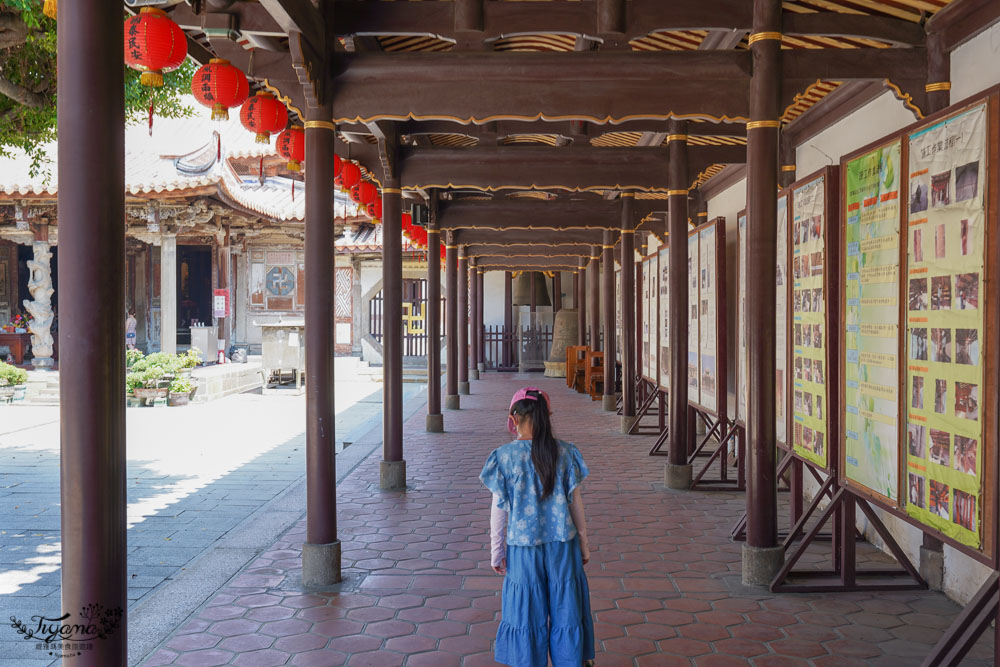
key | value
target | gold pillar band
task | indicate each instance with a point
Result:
(450, 247)
(391, 191)
(935, 87)
(676, 137)
(320, 125)
(628, 231)
(759, 124)
(628, 194)
(433, 231)
(758, 36)
(788, 167)
(702, 214)
(677, 193)
(608, 247)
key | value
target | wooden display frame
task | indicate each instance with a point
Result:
(991, 322)
(650, 269)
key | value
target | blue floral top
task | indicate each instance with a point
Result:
(510, 474)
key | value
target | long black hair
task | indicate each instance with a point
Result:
(544, 448)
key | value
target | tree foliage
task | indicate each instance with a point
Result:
(28, 83)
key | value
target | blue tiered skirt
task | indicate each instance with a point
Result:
(546, 607)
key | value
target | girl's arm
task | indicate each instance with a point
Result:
(498, 537)
(576, 511)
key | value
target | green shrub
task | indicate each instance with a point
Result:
(181, 386)
(12, 375)
(133, 356)
(192, 358)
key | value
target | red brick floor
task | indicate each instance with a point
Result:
(418, 590)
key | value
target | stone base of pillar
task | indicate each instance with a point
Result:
(761, 564)
(320, 564)
(610, 403)
(699, 427)
(452, 402)
(43, 362)
(677, 477)
(473, 373)
(628, 423)
(932, 568)
(481, 367)
(463, 388)
(435, 423)
(392, 475)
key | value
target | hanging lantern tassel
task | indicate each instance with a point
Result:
(293, 190)
(151, 114)
(218, 147)
(49, 9)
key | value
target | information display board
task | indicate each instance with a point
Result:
(652, 314)
(742, 369)
(813, 299)
(618, 317)
(707, 320)
(781, 381)
(663, 264)
(647, 324)
(694, 380)
(945, 307)
(707, 309)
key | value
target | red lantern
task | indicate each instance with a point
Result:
(444, 253)
(264, 114)
(350, 174)
(291, 145)
(220, 86)
(355, 193)
(375, 210)
(337, 166)
(368, 192)
(153, 45)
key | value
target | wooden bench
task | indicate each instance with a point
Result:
(575, 357)
(594, 375)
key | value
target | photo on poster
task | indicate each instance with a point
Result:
(966, 450)
(940, 194)
(797, 434)
(965, 510)
(941, 293)
(918, 294)
(916, 438)
(918, 245)
(940, 237)
(807, 403)
(704, 278)
(917, 394)
(816, 228)
(967, 347)
(693, 371)
(817, 263)
(917, 486)
(939, 499)
(941, 345)
(965, 240)
(818, 376)
(918, 194)
(817, 300)
(798, 334)
(807, 335)
(818, 443)
(807, 369)
(940, 396)
(967, 401)
(940, 452)
(918, 344)
(807, 439)
(704, 306)
(967, 181)
(967, 291)
(708, 374)
(817, 335)
(798, 401)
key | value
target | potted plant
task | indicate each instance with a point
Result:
(188, 361)
(181, 389)
(13, 382)
(146, 384)
(132, 357)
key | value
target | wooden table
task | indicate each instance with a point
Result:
(18, 344)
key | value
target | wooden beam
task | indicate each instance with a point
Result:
(530, 262)
(895, 31)
(962, 20)
(529, 250)
(298, 16)
(836, 106)
(520, 239)
(514, 215)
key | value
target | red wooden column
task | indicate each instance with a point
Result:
(393, 467)
(580, 280)
(508, 317)
(91, 121)
(480, 322)
(609, 400)
(451, 399)
(677, 474)
(762, 555)
(594, 280)
(435, 420)
(473, 319)
(463, 322)
(627, 260)
(321, 551)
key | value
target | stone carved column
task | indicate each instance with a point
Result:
(40, 308)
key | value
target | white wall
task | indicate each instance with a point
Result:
(974, 64)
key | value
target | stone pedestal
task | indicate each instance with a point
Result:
(473, 373)
(392, 475)
(481, 367)
(435, 424)
(761, 564)
(320, 564)
(628, 423)
(452, 402)
(677, 476)
(932, 567)
(609, 402)
(463, 388)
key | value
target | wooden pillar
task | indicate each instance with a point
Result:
(627, 261)
(787, 175)
(91, 122)
(938, 73)
(581, 303)
(594, 280)
(432, 320)
(508, 317)
(451, 399)
(762, 556)
(556, 292)
(225, 257)
(473, 320)
(531, 289)
(608, 293)
(168, 291)
(463, 322)
(678, 471)
(321, 551)
(480, 321)
(393, 467)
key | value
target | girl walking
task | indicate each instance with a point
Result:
(538, 538)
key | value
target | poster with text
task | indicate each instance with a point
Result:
(645, 319)
(871, 320)
(618, 315)
(706, 313)
(742, 381)
(781, 381)
(944, 325)
(664, 319)
(651, 316)
(810, 375)
(694, 380)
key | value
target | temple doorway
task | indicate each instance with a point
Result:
(194, 289)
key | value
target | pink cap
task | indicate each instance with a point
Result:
(522, 394)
